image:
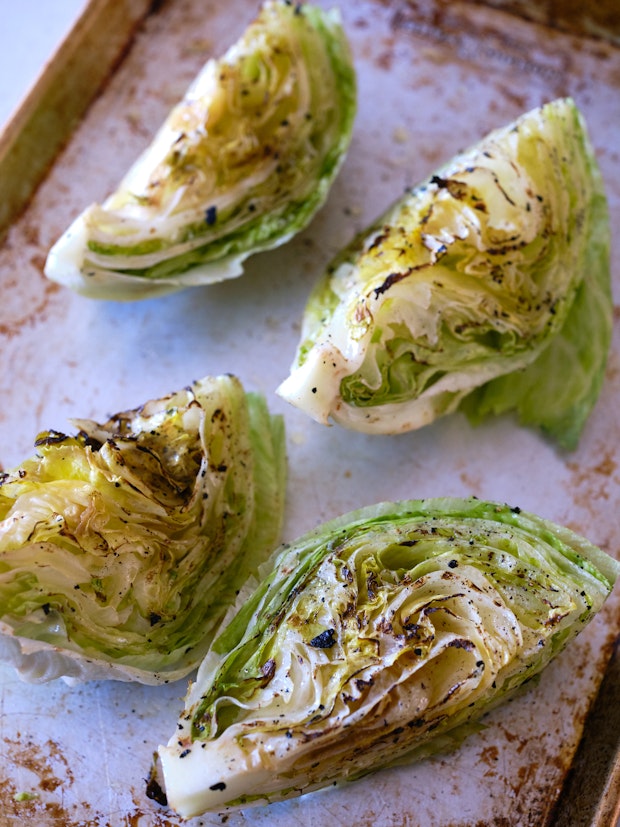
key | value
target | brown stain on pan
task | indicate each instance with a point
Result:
(38, 759)
(487, 41)
(478, 34)
(22, 262)
(592, 481)
(41, 801)
(33, 314)
(598, 19)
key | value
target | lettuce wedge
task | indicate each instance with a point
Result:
(486, 288)
(376, 639)
(122, 546)
(240, 165)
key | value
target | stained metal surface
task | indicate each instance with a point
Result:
(54, 105)
(591, 795)
(433, 78)
(600, 19)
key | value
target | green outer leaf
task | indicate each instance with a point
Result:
(546, 394)
(122, 547)
(378, 638)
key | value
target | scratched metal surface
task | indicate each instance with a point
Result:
(433, 78)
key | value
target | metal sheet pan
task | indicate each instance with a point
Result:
(433, 78)
(59, 95)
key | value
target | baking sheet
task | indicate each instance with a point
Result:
(55, 102)
(433, 78)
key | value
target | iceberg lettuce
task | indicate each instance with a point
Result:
(240, 165)
(122, 546)
(375, 639)
(486, 288)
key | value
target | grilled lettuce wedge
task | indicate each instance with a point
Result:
(375, 639)
(122, 546)
(486, 288)
(240, 165)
